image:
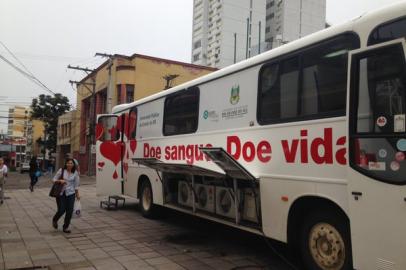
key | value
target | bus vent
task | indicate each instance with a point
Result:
(382, 264)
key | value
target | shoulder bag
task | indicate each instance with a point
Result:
(56, 188)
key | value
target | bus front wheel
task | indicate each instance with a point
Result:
(146, 200)
(325, 241)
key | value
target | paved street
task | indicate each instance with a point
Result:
(120, 239)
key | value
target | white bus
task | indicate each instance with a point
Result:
(304, 144)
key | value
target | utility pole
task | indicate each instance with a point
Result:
(248, 32)
(235, 48)
(92, 120)
(110, 88)
(259, 38)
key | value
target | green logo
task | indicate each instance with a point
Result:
(235, 94)
(206, 114)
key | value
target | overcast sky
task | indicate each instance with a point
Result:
(47, 35)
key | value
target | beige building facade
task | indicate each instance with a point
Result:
(122, 79)
(67, 140)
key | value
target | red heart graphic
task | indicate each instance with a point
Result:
(133, 145)
(99, 131)
(101, 164)
(112, 151)
(115, 175)
(125, 167)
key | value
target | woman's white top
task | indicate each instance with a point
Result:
(72, 181)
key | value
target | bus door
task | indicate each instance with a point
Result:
(109, 154)
(377, 150)
(130, 168)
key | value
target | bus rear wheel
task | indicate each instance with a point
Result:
(146, 202)
(325, 242)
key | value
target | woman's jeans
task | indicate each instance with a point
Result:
(65, 206)
(34, 179)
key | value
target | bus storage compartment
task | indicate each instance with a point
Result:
(225, 202)
(205, 197)
(185, 194)
(250, 205)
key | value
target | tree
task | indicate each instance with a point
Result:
(47, 109)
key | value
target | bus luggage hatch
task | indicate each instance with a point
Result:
(158, 165)
(226, 162)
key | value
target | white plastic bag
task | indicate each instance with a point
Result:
(77, 209)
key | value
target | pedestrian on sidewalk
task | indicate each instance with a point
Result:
(3, 177)
(69, 156)
(34, 169)
(69, 177)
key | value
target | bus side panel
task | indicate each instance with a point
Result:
(135, 172)
(275, 211)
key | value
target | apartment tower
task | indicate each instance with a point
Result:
(288, 20)
(227, 31)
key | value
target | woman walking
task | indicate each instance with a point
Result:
(3, 176)
(69, 178)
(33, 172)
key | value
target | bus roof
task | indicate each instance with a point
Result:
(379, 16)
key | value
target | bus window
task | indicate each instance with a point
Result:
(388, 31)
(109, 130)
(378, 112)
(381, 91)
(181, 112)
(132, 125)
(279, 91)
(324, 77)
(310, 85)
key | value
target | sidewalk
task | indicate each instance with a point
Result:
(120, 239)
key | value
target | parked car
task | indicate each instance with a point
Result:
(24, 167)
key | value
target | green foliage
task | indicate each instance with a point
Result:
(47, 109)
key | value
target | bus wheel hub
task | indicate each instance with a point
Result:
(146, 198)
(327, 246)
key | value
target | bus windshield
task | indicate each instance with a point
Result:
(378, 132)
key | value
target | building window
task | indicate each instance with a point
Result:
(129, 93)
(181, 112)
(270, 16)
(197, 44)
(119, 94)
(103, 101)
(267, 29)
(196, 57)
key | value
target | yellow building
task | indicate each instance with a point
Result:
(37, 132)
(26, 131)
(17, 121)
(123, 79)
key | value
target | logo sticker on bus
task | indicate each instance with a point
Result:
(399, 123)
(381, 121)
(395, 166)
(401, 145)
(235, 95)
(400, 156)
(383, 153)
(377, 166)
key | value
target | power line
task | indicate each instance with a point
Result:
(8, 50)
(26, 73)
